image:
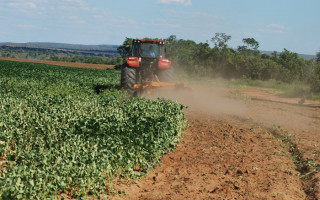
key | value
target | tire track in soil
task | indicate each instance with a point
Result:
(220, 159)
(308, 171)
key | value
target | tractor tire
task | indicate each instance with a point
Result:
(129, 79)
(166, 75)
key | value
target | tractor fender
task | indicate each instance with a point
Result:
(133, 61)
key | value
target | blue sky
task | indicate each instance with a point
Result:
(275, 24)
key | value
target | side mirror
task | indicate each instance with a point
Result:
(127, 48)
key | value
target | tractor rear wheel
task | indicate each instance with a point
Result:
(129, 79)
(166, 75)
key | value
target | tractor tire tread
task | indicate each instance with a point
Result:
(128, 79)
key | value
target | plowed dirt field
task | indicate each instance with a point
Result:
(238, 148)
(65, 64)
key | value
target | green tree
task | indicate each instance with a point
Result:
(220, 40)
(318, 57)
(251, 43)
(298, 68)
(315, 78)
(274, 55)
(126, 47)
(251, 46)
(171, 38)
(222, 56)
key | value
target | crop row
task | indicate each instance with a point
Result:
(57, 135)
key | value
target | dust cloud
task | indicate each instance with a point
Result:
(209, 100)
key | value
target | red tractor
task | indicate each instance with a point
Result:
(147, 68)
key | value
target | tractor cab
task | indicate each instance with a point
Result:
(148, 48)
(148, 55)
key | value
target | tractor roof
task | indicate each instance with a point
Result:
(150, 41)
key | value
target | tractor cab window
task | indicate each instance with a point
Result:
(149, 50)
(135, 51)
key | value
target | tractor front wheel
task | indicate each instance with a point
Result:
(129, 79)
(166, 75)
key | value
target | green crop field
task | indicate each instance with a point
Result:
(71, 131)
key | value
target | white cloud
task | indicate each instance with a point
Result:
(276, 26)
(76, 19)
(177, 2)
(167, 25)
(27, 5)
(273, 28)
(63, 11)
(98, 16)
(29, 26)
(170, 11)
(65, 5)
(206, 15)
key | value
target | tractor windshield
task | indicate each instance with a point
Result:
(149, 50)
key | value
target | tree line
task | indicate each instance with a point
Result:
(246, 61)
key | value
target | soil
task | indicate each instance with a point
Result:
(250, 146)
(65, 64)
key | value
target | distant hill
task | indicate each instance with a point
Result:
(51, 45)
(307, 57)
(304, 56)
(96, 54)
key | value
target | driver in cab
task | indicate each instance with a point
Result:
(151, 52)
